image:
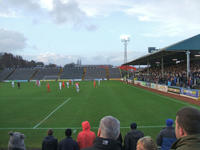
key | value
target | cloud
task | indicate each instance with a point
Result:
(115, 58)
(91, 27)
(11, 41)
(172, 18)
(94, 8)
(59, 59)
(70, 13)
(67, 12)
(10, 8)
(58, 11)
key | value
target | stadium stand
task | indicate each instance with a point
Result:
(47, 73)
(21, 74)
(72, 73)
(5, 73)
(89, 72)
(175, 74)
(114, 73)
(174, 65)
(95, 73)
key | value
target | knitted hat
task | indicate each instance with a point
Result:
(68, 132)
(169, 122)
(133, 125)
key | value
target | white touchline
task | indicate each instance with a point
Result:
(51, 113)
(78, 128)
(169, 98)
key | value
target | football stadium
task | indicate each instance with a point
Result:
(146, 90)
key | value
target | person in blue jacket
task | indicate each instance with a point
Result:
(167, 136)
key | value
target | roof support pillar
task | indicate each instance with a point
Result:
(162, 67)
(148, 65)
(188, 63)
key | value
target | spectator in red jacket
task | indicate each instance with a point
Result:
(86, 137)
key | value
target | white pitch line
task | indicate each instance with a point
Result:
(51, 113)
(78, 128)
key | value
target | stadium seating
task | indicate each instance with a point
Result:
(95, 73)
(72, 73)
(47, 74)
(4, 74)
(21, 74)
(76, 72)
(114, 73)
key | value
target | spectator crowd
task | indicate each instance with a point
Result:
(174, 75)
(185, 136)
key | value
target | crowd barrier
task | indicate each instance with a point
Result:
(191, 93)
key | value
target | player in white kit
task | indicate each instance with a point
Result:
(13, 84)
(67, 84)
(60, 85)
(77, 87)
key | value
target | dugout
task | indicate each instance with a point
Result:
(185, 51)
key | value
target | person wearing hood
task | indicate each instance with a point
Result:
(167, 136)
(86, 137)
(108, 132)
(49, 142)
(187, 129)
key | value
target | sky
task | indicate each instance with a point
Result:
(63, 31)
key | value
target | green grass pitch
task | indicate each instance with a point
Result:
(32, 110)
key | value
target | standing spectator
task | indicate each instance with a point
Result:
(49, 142)
(120, 138)
(167, 136)
(131, 138)
(86, 137)
(108, 132)
(68, 143)
(187, 129)
(146, 143)
(16, 141)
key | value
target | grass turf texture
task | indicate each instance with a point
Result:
(28, 106)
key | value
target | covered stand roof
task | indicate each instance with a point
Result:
(174, 51)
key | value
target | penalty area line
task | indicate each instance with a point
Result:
(51, 113)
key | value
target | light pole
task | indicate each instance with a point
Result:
(125, 39)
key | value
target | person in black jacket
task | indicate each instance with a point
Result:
(108, 132)
(131, 138)
(49, 142)
(68, 143)
(167, 136)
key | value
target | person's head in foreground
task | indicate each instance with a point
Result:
(146, 143)
(109, 128)
(187, 122)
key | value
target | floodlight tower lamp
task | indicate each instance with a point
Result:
(125, 39)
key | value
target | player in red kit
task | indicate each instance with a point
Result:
(48, 87)
(63, 84)
(94, 83)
